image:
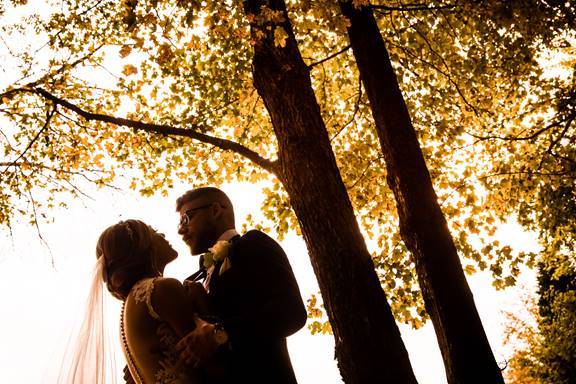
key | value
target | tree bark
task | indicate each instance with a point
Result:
(447, 297)
(369, 348)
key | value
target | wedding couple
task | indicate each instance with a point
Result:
(227, 323)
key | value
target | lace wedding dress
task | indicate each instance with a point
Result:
(171, 371)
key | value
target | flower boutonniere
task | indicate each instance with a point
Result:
(218, 252)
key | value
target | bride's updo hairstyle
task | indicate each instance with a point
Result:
(128, 256)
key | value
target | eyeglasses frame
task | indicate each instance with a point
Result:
(185, 218)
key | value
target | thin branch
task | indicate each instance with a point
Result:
(12, 91)
(251, 116)
(566, 174)
(516, 138)
(555, 141)
(529, 173)
(85, 128)
(446, 74)
(356, 108)
(53, 169)
(192, 132)
(557, 156)
(49, 115)
(57, 35)
(310, 66)
(428, 43)
(412, 7)
(364, 171)
(7, 140)
(38, 227)
(8, 47)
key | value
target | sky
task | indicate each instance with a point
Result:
(42, 290)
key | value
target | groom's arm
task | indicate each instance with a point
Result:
(265, 305)
(269, 303)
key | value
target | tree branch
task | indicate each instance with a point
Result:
(521, 138)
(49, 115)
(356, 109)
(310, 66)
(412, 7)
(556, 141)
(37, 226)
(224, 144)
(446, 74)
(56, 170)
(364, 172)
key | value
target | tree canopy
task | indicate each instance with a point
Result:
(158, 91)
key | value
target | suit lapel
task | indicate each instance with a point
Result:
(216, 274)
(197, 276)
(200, 275)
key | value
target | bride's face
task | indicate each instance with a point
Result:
(164, 250)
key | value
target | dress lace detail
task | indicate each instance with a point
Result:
(142, 292)
(172, 370)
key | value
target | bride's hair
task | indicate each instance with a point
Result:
(129, 255)
(125, 253)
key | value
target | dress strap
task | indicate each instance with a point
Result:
(142, 291)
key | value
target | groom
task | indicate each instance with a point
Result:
(251, 286)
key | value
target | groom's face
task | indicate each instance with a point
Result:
(198, 225)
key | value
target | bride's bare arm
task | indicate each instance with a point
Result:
(177, 305)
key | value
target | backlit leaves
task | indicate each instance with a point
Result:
(495, 127)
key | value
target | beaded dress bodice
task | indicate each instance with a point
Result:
(171, 370)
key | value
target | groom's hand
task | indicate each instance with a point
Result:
(195, 289)
(199, 296)
(200, 344)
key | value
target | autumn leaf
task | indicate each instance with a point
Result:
(280, 37)
(125, 50)
(129, 69)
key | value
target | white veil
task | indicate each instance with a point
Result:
(89, 356)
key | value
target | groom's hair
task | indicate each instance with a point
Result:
(212, 193)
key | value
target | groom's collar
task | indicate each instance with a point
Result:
(227, 235)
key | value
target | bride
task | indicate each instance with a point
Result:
(156, 311)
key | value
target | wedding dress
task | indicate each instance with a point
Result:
(90, 357)
(172, 370)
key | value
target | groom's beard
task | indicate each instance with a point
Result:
(204, 240)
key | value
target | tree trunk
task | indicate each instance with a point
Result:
(368, 344)
(447, 297)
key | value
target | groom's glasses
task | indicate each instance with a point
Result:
(187, 216)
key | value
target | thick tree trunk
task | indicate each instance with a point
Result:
(368, 344)
(465, 349)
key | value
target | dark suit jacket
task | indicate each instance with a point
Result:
(260, 305)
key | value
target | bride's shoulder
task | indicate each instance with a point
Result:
(155, 293)
(167, 284)
(152, 286)
(166, 288)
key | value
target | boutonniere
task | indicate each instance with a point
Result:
(218, 252)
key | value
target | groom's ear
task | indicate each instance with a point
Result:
(217, 210)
